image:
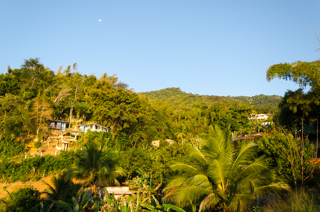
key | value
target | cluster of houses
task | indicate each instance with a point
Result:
(62, 127)
(59, 128)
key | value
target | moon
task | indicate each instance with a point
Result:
(99, 20)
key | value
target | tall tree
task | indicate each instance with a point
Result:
(113, 105)
(14, 116)
(305, 74)
(42, 112)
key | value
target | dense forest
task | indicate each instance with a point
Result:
(211, 156)
(261, 103)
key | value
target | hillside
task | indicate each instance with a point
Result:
(175, 95)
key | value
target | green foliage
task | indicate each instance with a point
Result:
(33, 94)
(218, 177)
(303, 73)
(78, 206)
(10, 147)
(61, 188)
(14, 116)
(94, 166)
(118, 108)
(291, 156)
(262, 103)
(37, 144)
(155, 162)
(123, 204)
(300, 201)
(298, 107)
(32, 167)
(22, 200)
(135, 202)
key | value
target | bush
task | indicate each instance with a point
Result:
(285, 151)
(24, 200)
(10, 147)
(35, 166)
(37, 144)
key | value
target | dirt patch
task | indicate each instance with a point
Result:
(16, 185)
(39, 185)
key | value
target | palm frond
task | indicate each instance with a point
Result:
(183, 167)
(218, 176)
(216, 172)
(255, 168)
(196, 155)
(210, 201)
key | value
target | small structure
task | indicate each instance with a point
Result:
(57, 125)
(170, 141)
(258, 117)
(117, 191)
(64, 145)
(155, 143)
(92, 127)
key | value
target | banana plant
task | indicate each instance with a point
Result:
(124, 204)
(161, 208)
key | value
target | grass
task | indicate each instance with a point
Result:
(302, 201)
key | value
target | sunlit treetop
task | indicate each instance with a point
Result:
(303, 73)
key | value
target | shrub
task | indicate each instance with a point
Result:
(24, 199)
(37, 144)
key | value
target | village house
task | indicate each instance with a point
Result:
(258, 117)
(92, 127)
(57, 125)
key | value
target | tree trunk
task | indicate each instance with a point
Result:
(302, 151)
(317, 137)
(70, 115)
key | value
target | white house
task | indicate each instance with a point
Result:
(258, 117)
(92, 127)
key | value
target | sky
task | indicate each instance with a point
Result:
(205, 47)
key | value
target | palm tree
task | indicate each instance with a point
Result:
(61, 188)
(94, 167)
(221, 178)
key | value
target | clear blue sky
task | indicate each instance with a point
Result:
(204, 47)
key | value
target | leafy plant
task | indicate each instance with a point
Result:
(37, 144)
(93, 167)
(218, 177)
(79, 206)
(61, 189)
(291, 155)
(24, 200)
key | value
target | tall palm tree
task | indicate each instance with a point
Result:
(95, 167)
(219, 177)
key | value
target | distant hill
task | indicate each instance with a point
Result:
(175, 95)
